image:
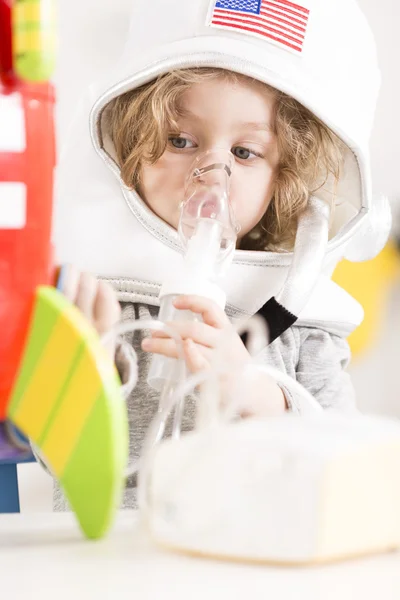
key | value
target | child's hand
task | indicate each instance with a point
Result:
(201, 342)
(96, 299)
(200, 339)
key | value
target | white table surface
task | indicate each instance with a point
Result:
(45, 556)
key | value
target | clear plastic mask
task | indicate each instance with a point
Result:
(207, 199)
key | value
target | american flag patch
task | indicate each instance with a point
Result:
(279, 21)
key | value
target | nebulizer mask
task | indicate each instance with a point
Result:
(208, 232)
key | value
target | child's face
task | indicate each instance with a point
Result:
(219, 114)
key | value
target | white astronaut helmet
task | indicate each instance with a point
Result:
(320, 53)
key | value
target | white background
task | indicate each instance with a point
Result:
(92, 34)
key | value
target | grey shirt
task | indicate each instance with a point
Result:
(312, 357)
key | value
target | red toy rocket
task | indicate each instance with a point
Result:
(57, 383)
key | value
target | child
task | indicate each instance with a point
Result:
(269, 82)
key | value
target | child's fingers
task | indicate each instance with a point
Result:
(211, 313)
(195, 360)
(106, 308)
(194, 330)
(86, 294)
(168, 347)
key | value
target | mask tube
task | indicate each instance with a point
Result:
(208, 231)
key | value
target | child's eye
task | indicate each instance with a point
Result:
(244, 153)
(180, 142)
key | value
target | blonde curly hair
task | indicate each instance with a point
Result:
(310, 154)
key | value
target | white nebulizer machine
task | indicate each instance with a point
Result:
(208, 233)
